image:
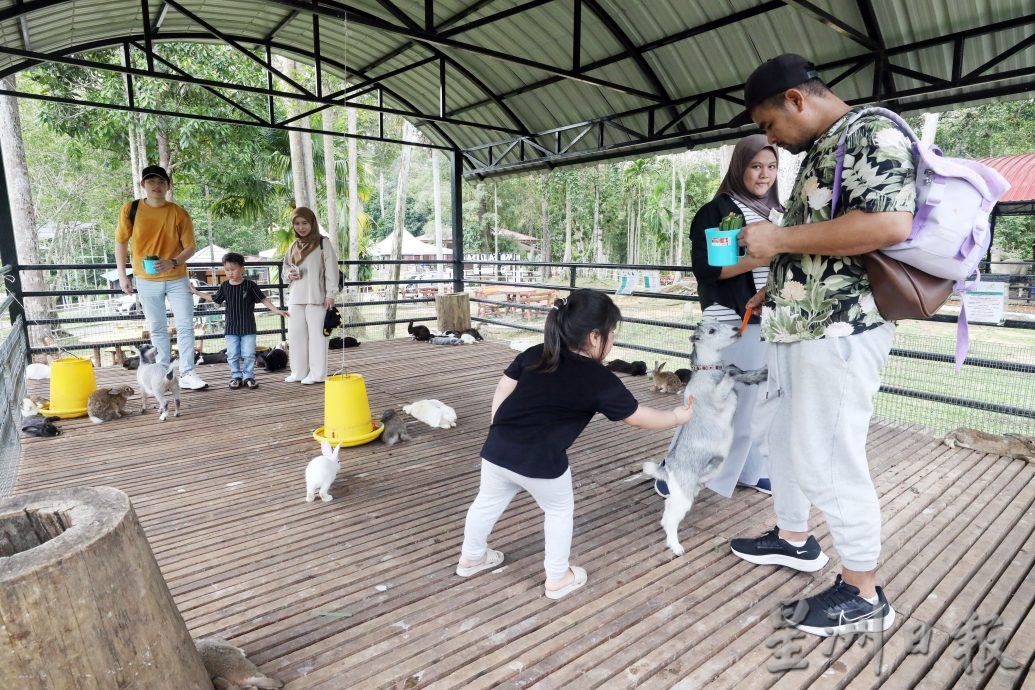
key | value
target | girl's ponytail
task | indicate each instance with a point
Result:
(553, 341)
(571, 321)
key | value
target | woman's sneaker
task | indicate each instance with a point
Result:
(839, 611)
(771, 549)
(762, 485)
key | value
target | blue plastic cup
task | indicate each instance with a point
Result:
(150, 265)
(723, 249)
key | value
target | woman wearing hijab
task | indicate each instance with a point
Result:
(749, 190)
(311, 267)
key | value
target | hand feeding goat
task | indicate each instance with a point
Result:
(700, 446)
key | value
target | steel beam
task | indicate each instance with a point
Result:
(211, 118)
(718, 133)
(183, 77)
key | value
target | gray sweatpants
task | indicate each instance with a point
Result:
(822, 397)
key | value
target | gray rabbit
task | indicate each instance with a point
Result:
(395, 428)
(229, 668)
(1007, 445)
(106, 404)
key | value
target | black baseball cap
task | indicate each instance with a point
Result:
(154, 171)
(772, 77)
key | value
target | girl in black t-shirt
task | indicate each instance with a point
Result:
(542, 403)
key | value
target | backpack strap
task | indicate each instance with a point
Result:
(839, 154)
(133, 212)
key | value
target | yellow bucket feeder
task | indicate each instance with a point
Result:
(346, 412)
(71, 383)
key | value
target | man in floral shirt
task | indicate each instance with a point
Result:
(828, 341)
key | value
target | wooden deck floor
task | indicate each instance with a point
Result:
(219, 492)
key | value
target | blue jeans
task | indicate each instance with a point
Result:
(238, 348)
(153, 295)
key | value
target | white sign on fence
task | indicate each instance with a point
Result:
(987, 303)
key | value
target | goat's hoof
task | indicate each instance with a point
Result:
(677, 549)
(326, 497)
(309, 498)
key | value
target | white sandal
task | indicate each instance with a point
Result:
(581, 578)
(493, 558)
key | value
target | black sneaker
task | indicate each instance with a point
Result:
(235, 383)
(840, 611)
(770, 549)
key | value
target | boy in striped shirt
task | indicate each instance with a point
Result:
(240, 296)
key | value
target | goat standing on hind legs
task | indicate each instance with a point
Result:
(700, 446)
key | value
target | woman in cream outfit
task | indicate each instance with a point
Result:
(311, 268)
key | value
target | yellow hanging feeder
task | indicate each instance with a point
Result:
(71, 383)
(346, 412)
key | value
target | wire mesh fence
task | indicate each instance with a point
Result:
(12, 390)
(995, 391)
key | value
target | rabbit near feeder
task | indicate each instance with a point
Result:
(321, 472)
(106, 404)
(395, 428)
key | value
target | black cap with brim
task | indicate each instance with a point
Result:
(154, 171)
(772, 77)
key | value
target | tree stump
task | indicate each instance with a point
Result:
(82, 601)
(454, 312)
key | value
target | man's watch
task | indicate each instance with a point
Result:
(176, 262)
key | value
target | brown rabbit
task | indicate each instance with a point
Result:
(106, 404)
(666, 381)
(229, 668)
(1007, 445)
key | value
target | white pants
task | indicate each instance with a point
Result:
(745, 462)
(553, 496)
(821, 393)
(307, 346)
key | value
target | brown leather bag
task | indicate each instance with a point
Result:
(902, 291)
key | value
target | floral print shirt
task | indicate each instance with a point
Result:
(810, 296)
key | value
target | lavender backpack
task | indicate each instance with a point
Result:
(954, 198)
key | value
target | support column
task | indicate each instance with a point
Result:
(457, 195)
(9, 256)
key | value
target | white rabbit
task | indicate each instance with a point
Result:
(37, 371)
(434, 413)
(321, 472)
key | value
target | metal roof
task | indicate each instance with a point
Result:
(1019, 171)
(520, 84)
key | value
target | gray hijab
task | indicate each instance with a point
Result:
(733, 183)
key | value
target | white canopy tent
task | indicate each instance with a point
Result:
(411, 248)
